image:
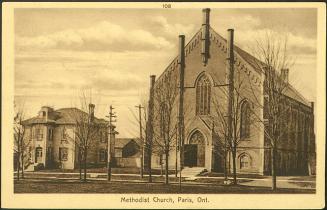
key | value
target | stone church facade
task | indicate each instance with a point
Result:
(205, 86)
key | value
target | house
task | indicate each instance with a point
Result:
(127, 152)
(205, 70)
(53, 138)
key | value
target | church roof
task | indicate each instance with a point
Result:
(242, 57)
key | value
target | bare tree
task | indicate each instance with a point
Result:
(223, 143)
(272, 60)
(86, 130)
(165, 115)
(21, 143)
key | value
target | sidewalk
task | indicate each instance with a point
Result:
(95, 175)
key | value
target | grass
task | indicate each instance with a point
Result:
(74, 186)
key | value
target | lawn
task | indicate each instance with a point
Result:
(75, 186)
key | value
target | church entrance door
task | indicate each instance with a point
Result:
(194, 155)
(190, 155)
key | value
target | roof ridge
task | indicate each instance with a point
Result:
(244, 55)
(237, 48)
(176, 57)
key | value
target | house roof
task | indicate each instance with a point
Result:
(62, 116)
(122, 142)
(247, 57)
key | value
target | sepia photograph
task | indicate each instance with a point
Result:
(163, 104)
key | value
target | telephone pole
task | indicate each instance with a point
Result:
(141, 138)
(110, 139)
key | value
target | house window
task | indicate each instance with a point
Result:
(63, 154)
(39, 134)
(50, 134)
(245, 120)
(118, 152)
(103, 136)
(64, 134)
(103, 155)
(244, 161)
(203, 95)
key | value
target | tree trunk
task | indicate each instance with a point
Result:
(22, 163)
(167, 167)
(85, 160)
(234, 166)
(80, 164)
(18, 166)
(142, 165)
(149, 164)
(273, 168)
(225, 164)
(176, 170)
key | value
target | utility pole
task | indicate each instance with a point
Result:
(110, 139)
(149, 127)
(141, 138)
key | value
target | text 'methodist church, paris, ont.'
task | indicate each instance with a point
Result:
(205, 73)
(205, 70)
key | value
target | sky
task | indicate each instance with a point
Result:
(110, 53)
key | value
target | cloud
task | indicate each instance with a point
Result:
(103, 36)
(237, 22)
(296, 44)
(161, 26)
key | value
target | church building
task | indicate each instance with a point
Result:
(202, 69)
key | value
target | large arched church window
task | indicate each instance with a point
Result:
(245, 120)
(203, 95)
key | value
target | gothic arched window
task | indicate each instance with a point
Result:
(203, 95)
(245, 120)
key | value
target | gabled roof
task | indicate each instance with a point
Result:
(244, 57)
(61, 116)
(122, 142)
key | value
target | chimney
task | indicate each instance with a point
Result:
(91, 111)
(205, 35)
(230, 46)
(45, 112)
(284, 74)
(181, 50)
(181, 97)
(230, 81)
(312, 106)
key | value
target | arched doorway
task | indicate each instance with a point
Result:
(194, 153)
